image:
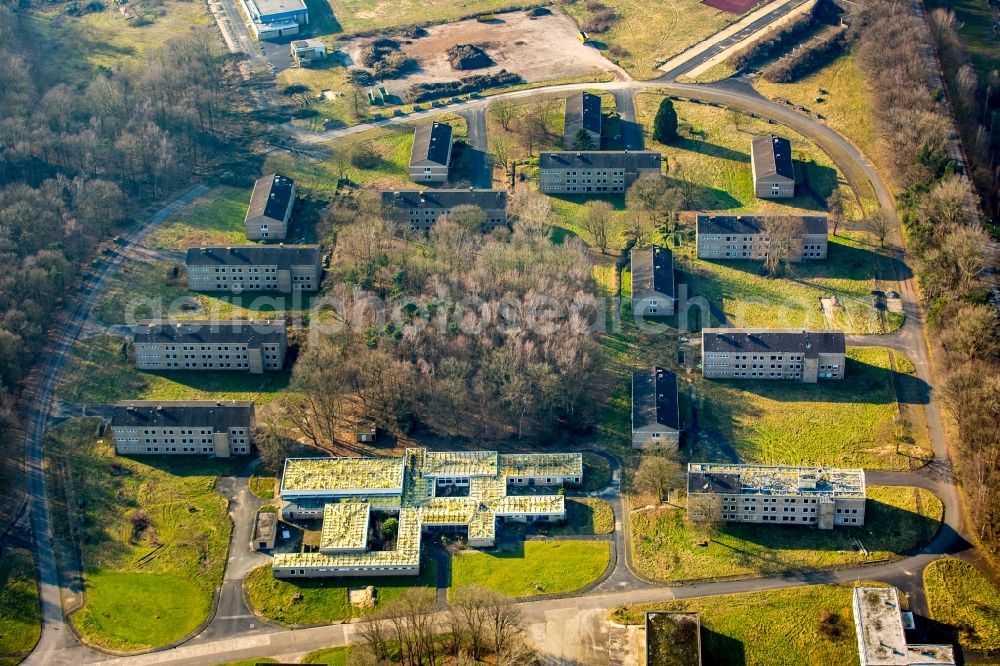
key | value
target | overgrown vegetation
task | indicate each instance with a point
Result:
(963, 598)
(783, 38)
(423, 92)
(20, 615)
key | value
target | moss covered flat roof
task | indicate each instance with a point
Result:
(342, 475)
(541, 464)
(345, 526)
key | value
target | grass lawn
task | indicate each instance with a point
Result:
(330, 656)
(359, 15)
(98, 373)
(775, 628)
(338, 112)
(850, 273)
(585, 515)
(651, 33)
(250, 662)
(216, 217)
(845, 103)
(529, 568)
(153, 534)
(960, 596)
(20, 617)
(711, 160)
(596, 472)
(665, 546)
(324, 600)
(262, 485)
(975, 21)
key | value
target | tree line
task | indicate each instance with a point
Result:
(946, 239)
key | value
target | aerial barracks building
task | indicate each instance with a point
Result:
(430, 157)
(772, 167)
(595, 171)
(239, 268)
(881, 632)
(653, 292)
(273, 19)
(818, 497)
(420, 209)
(192, 427)
(247, 346)
(655, 412)
(270, 208)
(805, 356)
(430, 492)
(747, 237)
(583, 111)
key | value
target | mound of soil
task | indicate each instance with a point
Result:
(469, 56)
(539, 11)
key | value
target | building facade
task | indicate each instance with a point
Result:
(247, 346)
(772, 167)
(270, 208)
(583, 111)
(745, 353)
(595, 171)
(304, 51)
(655, 411)
(747, 237)
(653, 290)
(192, 427)
(430, 157)
(274, 19)
(881, 633)
(817, 497)
(419, 210)
(465, 492)
(276, 268)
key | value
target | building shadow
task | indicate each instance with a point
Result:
(703, 147)
(720, 650)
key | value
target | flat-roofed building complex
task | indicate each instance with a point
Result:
(429, 491)
(818, 497)
(420, 209)
(270, 208)
(183, 427)
(594, 171)
(239, 268)
(749, 236)
(248, 346)
(655, 413)
(758, 353)
(430, 157)
(772, 167)
(583, 111)
(653, 291)
(878, 623)
(274, 19)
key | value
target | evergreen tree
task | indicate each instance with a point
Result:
(582, 140)
(665, 123)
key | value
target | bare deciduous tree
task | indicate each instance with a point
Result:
(880, 225)
(782, 234)
(596, 220)
(505, 112)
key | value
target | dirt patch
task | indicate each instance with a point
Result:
(363, 597)
(731, 6)
(541, 48)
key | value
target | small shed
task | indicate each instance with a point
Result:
(264, 531)
(305, 51)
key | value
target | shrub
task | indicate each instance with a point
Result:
(817, 51)
(364, 156)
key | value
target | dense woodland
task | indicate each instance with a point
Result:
(82, 150)
(945, 236)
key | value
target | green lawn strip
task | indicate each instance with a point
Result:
(250, 662)
(20, 615)
(845, 423)
(215, 218)
(585, 515)
(750, 298)
(336, 656)
(774, 628)
(960, 596)
(98, 373)
(148, 581)
(262, 485)
(530, 568)
(362, 15)
(596, 472)
(665, 546)
(711, 159)
(325, 600)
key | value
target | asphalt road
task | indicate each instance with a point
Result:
(480, 163)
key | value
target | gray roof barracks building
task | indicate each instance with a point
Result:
(178, 427)
(745, 353)
(773, 170)
(248, 346)
(655, 412)
(268, 268)
(430, 157)
(823, 498)
(270, 208)
(746, 237)
(594, 171)
(420, 209)
(653, 292)
(583, 111)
